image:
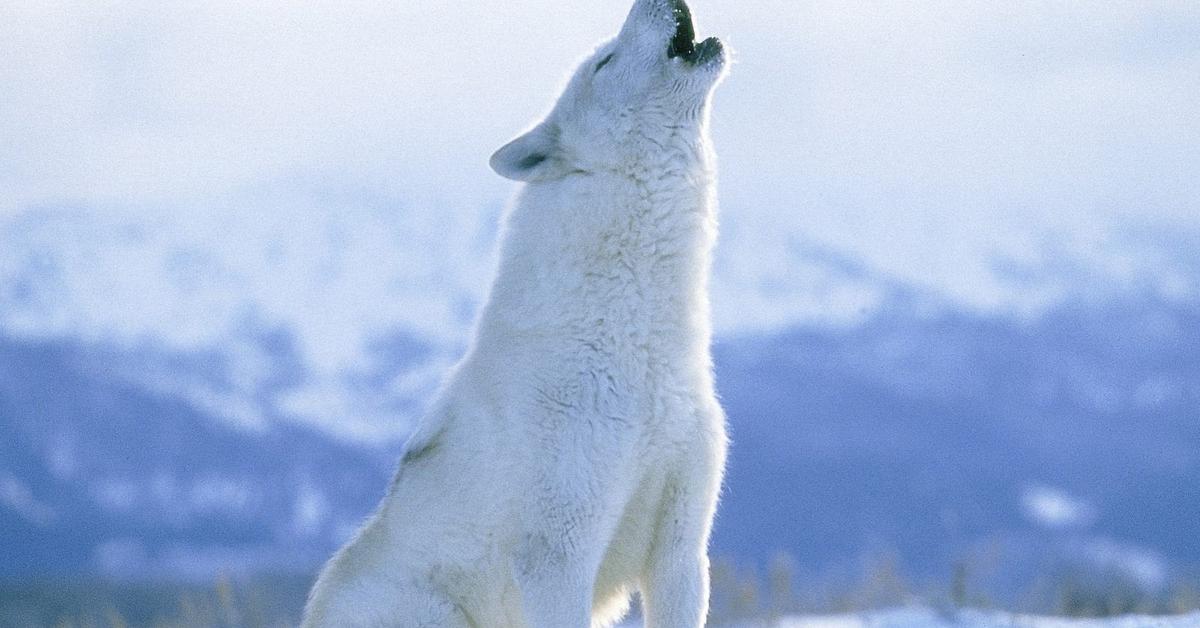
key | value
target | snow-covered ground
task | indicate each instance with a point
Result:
(919, 617)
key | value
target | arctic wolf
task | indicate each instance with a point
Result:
(574, 456)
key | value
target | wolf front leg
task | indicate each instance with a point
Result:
(556, 558)
(556, 582)
(675, 587)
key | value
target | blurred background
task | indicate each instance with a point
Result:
(957, 293)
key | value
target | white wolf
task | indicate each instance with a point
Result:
(575, 454)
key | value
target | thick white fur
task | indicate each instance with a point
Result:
(575, 455)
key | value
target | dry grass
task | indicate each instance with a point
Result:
(739, 594)
(265, 602)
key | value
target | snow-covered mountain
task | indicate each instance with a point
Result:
(101, 474)
(333, 271)
(934, 435)
(1072, 441)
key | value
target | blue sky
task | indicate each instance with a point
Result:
(323, 167)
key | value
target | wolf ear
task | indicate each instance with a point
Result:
(533, 156)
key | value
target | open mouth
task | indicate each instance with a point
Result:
(683, 44)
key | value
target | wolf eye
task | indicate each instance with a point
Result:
(604, 62)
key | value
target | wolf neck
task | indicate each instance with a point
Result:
(602, 251)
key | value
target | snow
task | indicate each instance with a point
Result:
(16, 496)
(1055, 508)
(920, 617)
(310, 511)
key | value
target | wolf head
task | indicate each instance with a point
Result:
(635, 99)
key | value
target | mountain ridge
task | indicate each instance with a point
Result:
(927, 436)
